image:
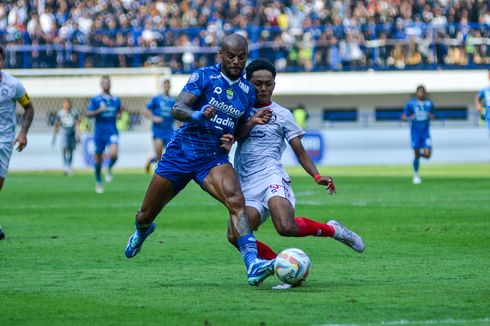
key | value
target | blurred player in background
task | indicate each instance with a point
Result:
(68, 120)
(482, 103)
(418, 112)
(105, 108)
(159, 111)
(11, 92)
(265, 184)
(215, 101)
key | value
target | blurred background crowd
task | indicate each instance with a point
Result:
(297, 35)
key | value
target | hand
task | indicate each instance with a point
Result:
(21, 141)
(102, 108)
(227, 141)
(77, 138)
(157, 119)
(411, 117)
(206, 112)
(328, 183)
(262, 117)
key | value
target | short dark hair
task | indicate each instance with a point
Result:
(422, 87)
(260, 64)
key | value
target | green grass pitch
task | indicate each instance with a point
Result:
(427, 258)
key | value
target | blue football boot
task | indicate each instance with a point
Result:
(136, 241)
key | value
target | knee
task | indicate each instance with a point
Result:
(286, 229)
(235, 203)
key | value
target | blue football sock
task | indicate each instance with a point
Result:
(248, 248)
(98, 168)
(112, 162)
(416, 165)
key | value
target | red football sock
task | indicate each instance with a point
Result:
(265, 252)
(309, 227)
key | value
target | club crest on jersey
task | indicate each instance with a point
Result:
(229, 93)
(5, 92)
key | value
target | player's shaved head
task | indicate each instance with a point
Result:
(233, 55)
(235, 41)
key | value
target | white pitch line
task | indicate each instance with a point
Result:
(485, 320)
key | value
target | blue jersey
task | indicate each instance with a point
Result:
(421, 111)
(233, 101)
(107, 119)
(161, 106)
(484, 96)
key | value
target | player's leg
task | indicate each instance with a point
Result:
(100, 142)
(263, 250)
(416, 165)
(222, 183)
(160, 191)
(113, 154)
(158, 149)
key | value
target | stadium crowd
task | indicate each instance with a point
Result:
(296, 35)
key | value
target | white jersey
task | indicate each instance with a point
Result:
(259, 154)
(10, 91)
(68, 121)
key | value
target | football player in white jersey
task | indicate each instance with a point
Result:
(11, 91)
(265, 184)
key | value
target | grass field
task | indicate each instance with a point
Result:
(427, 258)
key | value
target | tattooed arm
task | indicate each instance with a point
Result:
(183, 111)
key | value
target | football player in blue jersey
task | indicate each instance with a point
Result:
(159, 111)
(105, 108)
(419, 111)
(482, 104)
(215, 101)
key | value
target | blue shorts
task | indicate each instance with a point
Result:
(179, 167)
(421, 140)
(164, 134)
(104, 138)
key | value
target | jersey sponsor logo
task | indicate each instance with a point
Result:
(228, 122)
(225, 108)
(244, 87)
(215, 77)
(229, 93)
(218, 90)
(258, 133)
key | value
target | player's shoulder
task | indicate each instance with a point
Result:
(280, 110)
(9, 79)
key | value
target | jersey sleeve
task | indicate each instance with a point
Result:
(481, 94)
(195, 84)
(431, 107)
(118, 104)
(92, 105)
(289, 127)
(407, 110)
(20, 91)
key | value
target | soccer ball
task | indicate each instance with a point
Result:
(292, 266)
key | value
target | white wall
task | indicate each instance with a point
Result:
(341, 147)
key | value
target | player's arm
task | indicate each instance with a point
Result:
(261, 117)
(309, 166)
(95, 108)
(478, 103)
(183, 111)
(21, 139)
(56, 128)
(432, 115)
(405, 114)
